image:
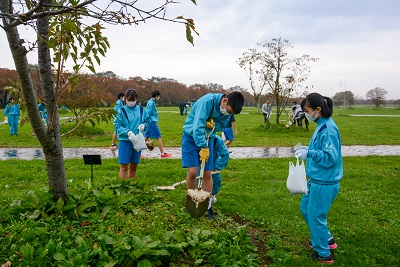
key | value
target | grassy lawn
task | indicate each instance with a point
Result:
(108, 222)
(364, 218)
(354, 130)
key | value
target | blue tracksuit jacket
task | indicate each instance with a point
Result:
(324, 160)
(123, 125)
(205, 107)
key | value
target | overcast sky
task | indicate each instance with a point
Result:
(357, 43)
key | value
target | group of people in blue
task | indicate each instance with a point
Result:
(213, 113)
(12, 112)
(131, 121)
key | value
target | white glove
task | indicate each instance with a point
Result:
(132, 137)
(299, 146)
(141, 127)
(301, 154)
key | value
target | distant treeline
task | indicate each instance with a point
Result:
(105, 86)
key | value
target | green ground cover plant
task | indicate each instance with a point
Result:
(366, 130)
(109, 222)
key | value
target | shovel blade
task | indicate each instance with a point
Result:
(197, 210)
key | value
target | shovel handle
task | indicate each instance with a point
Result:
(202, 165)
(203, 161)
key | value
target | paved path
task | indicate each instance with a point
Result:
(237, 152)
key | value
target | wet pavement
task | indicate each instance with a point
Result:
(236, 152)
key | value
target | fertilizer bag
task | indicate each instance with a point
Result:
(296, 181)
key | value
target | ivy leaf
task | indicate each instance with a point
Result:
(58, 256)
(144, 263)
(106, 210)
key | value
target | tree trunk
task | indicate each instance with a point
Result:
(49, 139)
(52, 142)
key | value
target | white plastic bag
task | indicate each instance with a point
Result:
(296, 181)
(139, 144)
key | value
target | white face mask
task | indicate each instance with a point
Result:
(223, 110)
(131, 104)
(312, 117)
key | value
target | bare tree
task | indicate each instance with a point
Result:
(377, 96)
(271, 70)
(60, 28)
(345, 98)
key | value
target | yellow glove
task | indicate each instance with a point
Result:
(210, 123)
(204, 154)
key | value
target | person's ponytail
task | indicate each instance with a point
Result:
(327, 112)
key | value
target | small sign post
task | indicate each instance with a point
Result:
(92, 160)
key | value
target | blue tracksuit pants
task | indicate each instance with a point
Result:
(13, 122)
(314, 207)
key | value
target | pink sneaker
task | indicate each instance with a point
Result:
(166, 155)
(331, 242)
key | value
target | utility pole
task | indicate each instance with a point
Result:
(343, 85)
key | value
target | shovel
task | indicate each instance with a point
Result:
(197, 199)
(172, 187)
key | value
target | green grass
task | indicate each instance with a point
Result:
(354, 130)
(364, 217)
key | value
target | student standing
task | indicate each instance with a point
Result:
(118, 105)
(266, 111)
(228, 131)
(130, 119)
(182, 106)
(324, 167)
(153, 131)
(209, 110)
(43, 111)
(12, 111)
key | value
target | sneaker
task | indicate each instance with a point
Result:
(166, 155)
(142, 157)
(321, 260)
(210, 214)
(331, 242)
(214, 199)
(113, 147)
(213, 212)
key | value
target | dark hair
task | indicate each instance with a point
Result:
(155, 93)
(235, 101)
(120, 95)
(131, 95)
(315, 100)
